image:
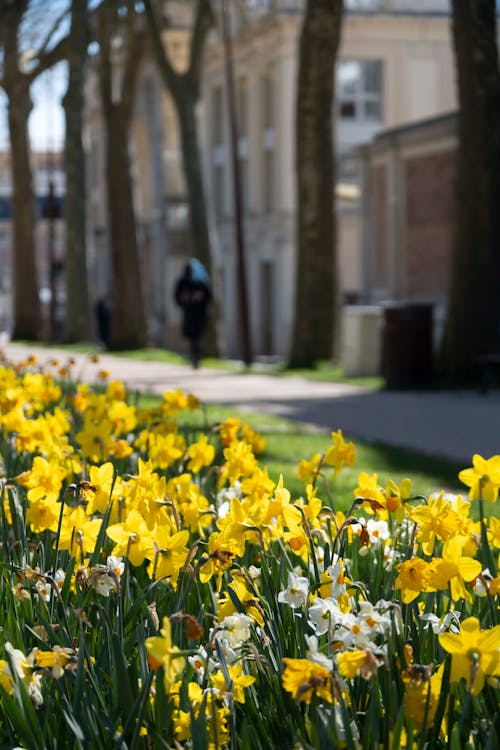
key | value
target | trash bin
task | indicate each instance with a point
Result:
(360, 345)
(407, 345)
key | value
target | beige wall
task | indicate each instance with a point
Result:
(418, 72)
(418, 82)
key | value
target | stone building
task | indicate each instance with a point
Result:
(407, 214)
(395, 67)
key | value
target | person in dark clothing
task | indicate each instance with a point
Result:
(193, 295)
(103, 317)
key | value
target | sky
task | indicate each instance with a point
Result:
(46, 122)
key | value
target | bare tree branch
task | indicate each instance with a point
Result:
(202, 25)
(48, 60)
(169, 75)
(50, 35)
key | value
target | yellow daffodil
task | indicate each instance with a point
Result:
(132, 538)
(168, 554)
(282, 510)
(373, 495)
(413, 578)
(396, 497)
(239, 461)
(220, 554)
(436, 520)
(306, 679)
(44, 480)
(494, 532)
(164, 450)
(162, 653)
(475, 653)
(308, 470)
(247, 599)
(200, 454)
(483, 478)
(253, 438)
(340, 453)
(115, 391)
(421, 694)
(455, 569)
(359, 662)
(78, 532)
(238, 682)
(98, 490)
(95, 438)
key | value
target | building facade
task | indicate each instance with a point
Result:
(395, 67)
(408, 214)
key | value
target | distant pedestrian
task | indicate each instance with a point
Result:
(103, 319)
(193, 295)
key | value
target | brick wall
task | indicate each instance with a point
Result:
(379, 226)
(427, 236)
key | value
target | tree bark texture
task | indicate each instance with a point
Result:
(184, 89)
(316, 273)
(473, 318)
(78, 324)
(26, 301)
(128, 318)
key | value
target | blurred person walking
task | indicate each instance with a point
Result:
(193, 294)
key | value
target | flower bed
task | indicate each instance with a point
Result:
(159, 589)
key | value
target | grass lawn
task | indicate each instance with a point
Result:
(287, 442)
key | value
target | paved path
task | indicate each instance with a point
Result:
(452, 425)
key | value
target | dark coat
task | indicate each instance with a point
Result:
(194, 298)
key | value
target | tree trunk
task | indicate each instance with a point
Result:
(184, 89)
(78, 324)
(316, 279)
(128, 322)
(186, 109)
(473, 317)
(27, 312)
(26, 300)
(128, 317)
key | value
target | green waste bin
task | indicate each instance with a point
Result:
(407, 351)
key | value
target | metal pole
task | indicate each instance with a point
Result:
(238, 214)
(51, 240)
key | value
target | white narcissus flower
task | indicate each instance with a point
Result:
(316, 656)
(224, 497)
(324, 614)
(297, 592)
(378, 531)
(235, 629)
(351, 633)
(23, 666)
(449, 623)
(372, 621)
(106, 578)
(481, 584)
(200, 661)
(336, 573)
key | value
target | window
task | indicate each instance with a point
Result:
(359, 90)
